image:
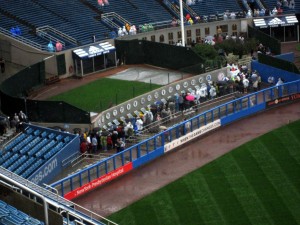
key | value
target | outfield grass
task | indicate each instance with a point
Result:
(257, 183)
(104, 93)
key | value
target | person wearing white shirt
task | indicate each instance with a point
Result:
(139, 124)
(203, 91)
(246, 84)
(212, 92)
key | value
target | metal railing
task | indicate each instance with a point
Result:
(48, 37)
(57, 32)
(260, 5)
(242, 106)
(116, 16)
(172, 8)
(53, 199)
(189, 9)
(24, 40)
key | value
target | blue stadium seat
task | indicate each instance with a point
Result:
(51, 135)
(29, 130)
(37, 132)
(44, 134)
(10, 215)
(59, 137)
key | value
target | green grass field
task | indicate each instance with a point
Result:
(104, 93)
(257, 183)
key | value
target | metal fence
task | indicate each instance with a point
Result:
(176, 135)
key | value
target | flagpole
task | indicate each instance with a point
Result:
(182, 23)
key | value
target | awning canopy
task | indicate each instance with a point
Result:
(94, 50)
(275, 21)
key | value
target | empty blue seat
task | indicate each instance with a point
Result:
(52, 135)
(44, 134)
(37, 132)
(29, 130)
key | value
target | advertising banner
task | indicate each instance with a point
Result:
(194, 134)
(283, 100)
(98, 182)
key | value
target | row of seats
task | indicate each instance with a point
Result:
(30, 145)
(45, 149)
(24, 166)
(46, 134)
(32, 168)
(54, 150)
(10, 160)
(64, 16)
(17, 163)
(9, 215)
(30, 149)
(214, 7)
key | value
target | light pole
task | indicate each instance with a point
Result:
(182, 24)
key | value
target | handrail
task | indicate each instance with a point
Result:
(63, 35)
(116, 15)
(172, 7)
(23, 40)
(260, 4)
(189, 9)
(47, 36)
(68, 160)
(245, 4)
(110, 22)
(32, 192)
(52, 198)
(149, 127)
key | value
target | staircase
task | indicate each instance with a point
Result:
(173, 8)
(244, 5)
(44, 33)
(188, 10)
(114, 20)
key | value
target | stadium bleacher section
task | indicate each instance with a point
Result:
(30, 149)
(75, 22)
(11, 215)
(34, 147)
(272, 3)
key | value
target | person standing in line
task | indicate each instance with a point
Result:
(120, 145)
(94, 144)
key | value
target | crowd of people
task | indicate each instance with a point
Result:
(153, 118)
(14, 123)
(127, 30)
(277, 9)
(103, 139)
